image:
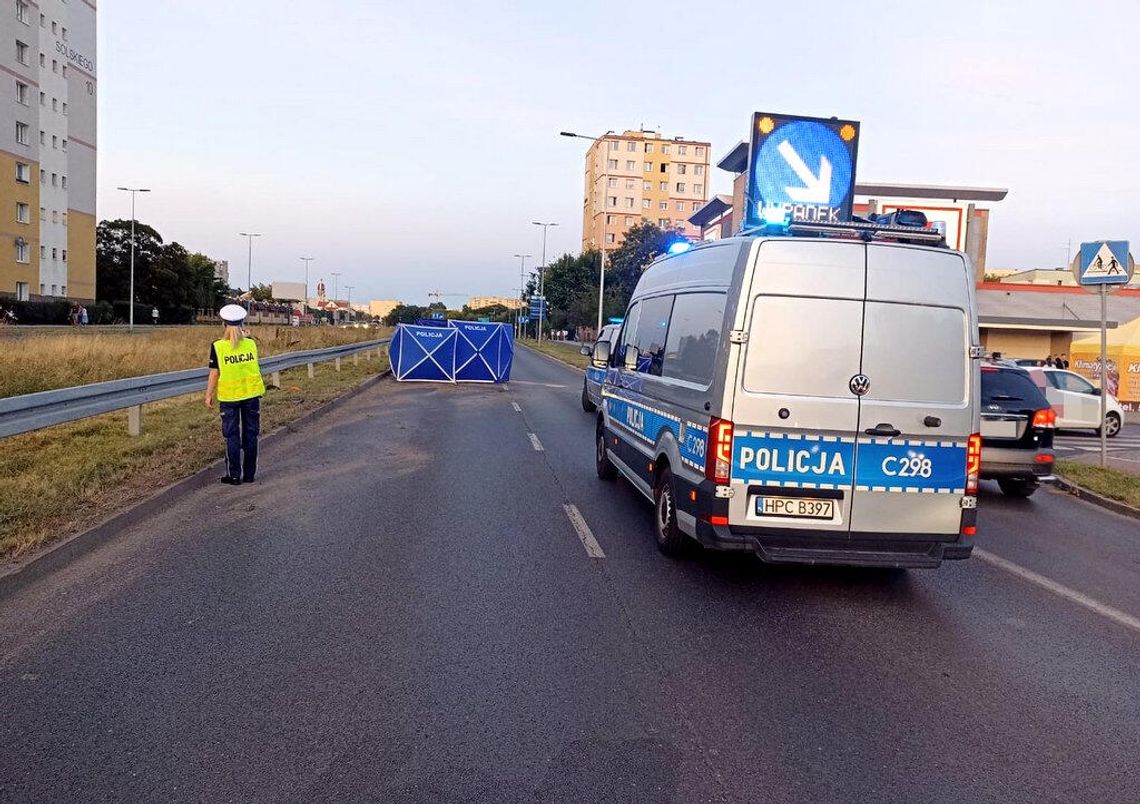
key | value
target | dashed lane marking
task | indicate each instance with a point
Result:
(515, 405)
(534, 442)
(585, 535)
(1108, 612)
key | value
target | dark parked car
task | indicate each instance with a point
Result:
(1017, 430)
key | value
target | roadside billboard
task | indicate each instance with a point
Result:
(288, 291)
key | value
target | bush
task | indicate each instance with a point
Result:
(40, 312)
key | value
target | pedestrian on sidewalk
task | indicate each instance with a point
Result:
(235, 378)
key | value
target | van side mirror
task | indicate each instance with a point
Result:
(585, 350)
(601, 357)
(631, 358)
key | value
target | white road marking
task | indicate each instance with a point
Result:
(1108, 612)
(515, 405)
(535, 442)
(585, 535)
(540, 384)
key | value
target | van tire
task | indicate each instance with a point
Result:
(587, 403)
(1111, 425)
(670, 540)
(1017, 488)
(602, 463)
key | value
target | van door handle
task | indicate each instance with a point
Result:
(883, 430)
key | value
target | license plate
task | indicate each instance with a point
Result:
(795, 507)
(999, 428)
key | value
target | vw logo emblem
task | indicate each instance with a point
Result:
(860, 384)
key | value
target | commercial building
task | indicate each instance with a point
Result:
(479, 302)
(378, 308)
(47, 150)
(222, 271)
(640, 175)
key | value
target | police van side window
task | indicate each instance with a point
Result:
(694, 336)
(628, 335)
(652, 330)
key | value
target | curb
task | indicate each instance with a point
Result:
(19, 574)
(1081, 493)
(558, 360)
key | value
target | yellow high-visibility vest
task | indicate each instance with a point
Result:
(239, 374)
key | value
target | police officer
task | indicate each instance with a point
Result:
(235, 377)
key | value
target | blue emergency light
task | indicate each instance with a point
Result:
(680, 247)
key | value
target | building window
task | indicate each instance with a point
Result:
(664, 186)
(632, 146)
(645, 203)
(680, 186)
(664, 167)
(55, 104)
(22, 11)
(65, 109)
(647, 186)
(64, 256)
(43, 137)
(55, 254)
(609, 237)
(680, 206)
(630, 165)
(628, 220)
(64, 34)
(614, 145)
(43, 213)
(43, 256)
(609, 219)
(55, 180)
(681, 169)
(63, 290)
(629, 184)
(21, 93)
(663, 223)
(665, 149)
(23, 213)
(55, 216)
(63, 145)
(22, 290)
(43, 176)
(41, 288)
(63, 182)
(55, 27)
(23, 173)
(43, 99)
(63, 218)
(21, 254)
(55, 142)
(43, 24)
(698, 188)
(648, 166)
(663, 205)
(682, 149)
(22, 133)
(629, 202)
(612, 201)
(65, 71)
(53, 290)
(648, 147)
(612, 182)
(54, 66)
(611, 164)
(698, 169)
(700, 150)
(696, 205)
(21, 52)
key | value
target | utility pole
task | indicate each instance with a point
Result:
(522, 285)
(542, 276)
(133, 191)
(305, 301)
(249, 266)
(336, 295)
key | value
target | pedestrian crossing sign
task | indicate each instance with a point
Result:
(1104, 262)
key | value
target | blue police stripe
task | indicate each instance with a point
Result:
(647, 423)
(914, 466)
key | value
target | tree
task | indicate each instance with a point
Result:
(643, 243)
(113, 257)
(262, 292)
(406, 314)
(208, 291)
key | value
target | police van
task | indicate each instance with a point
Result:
(811, 397)
(592, 382)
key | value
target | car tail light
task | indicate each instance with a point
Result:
(1045, 418)
(973, 463)
(718, 462)
(1044, 459)
(970, 530)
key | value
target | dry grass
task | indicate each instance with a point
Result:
(60, 480)
(32, 361)
(1107, 482)
(566, 351)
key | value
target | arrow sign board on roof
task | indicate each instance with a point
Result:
(1104, 262)
(805, 165)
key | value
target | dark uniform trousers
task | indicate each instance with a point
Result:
(241, 422)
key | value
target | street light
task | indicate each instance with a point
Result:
(336, 295)
(602, 268)
(351, 312)
(542, 276)
(249, 266)
(133, 191)
(522, 285)
(305, 302)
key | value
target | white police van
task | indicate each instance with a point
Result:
(592, 382)
(811, 397)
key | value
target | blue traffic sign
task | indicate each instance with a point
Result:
(801, 165)
(1104, 262)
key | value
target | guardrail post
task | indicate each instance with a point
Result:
(356, 358)
(277, 379)
(338, 364)
(368, 355)
(312, 371)
(134, 420)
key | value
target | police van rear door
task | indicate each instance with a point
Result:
(917, 412)
(795, 419)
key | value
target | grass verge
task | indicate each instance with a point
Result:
(60, 480)
(1112, 483)
(563, 350)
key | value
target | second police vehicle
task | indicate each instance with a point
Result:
(811, 396)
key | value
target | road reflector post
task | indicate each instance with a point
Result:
(134, 420)
(312, 371)
(338, 364)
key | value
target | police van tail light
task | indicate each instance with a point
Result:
(973, 463)
(1045, 418)
(718, 461)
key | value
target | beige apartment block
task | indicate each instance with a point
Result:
(640, 175)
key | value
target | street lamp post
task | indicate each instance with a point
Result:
(249, 266)
(305, 301)
(133, 191)
(336, 295)
(522, 285)
(351, 312)
(602, 268)
(542, 275)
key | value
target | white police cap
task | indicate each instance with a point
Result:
(232, 313)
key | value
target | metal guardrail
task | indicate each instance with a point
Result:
(22, 414)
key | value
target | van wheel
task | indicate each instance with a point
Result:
(605, 468)
(670, 540)
(1111, 425)
(587, 404)
(1017, 488)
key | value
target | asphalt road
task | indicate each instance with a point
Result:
(403, 610)
(1084, 445)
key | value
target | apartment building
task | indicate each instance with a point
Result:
(47, 149)
(640, 175)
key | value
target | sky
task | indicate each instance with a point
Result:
(409, 145)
